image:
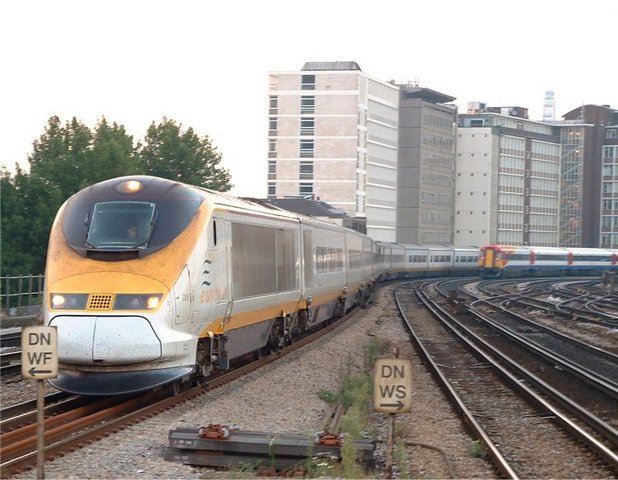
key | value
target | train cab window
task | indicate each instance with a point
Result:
(121, 225)
(98, 221)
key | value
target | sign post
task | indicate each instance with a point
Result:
(39, 361)
(392, 393)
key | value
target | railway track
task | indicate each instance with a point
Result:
(579, 299)
(595, 366)
(587, 371)
(504, 407)
(88, 420)
(10, 363)
(10, 339)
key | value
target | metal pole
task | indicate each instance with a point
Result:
(19, 289)
(40, 420)
(389, 446)
(391, 437)
(40, 430)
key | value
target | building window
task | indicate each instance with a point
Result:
(305, 189)
(272, 170)
(272, 148)
(307, 126)
(274, 100)
(306, 149)
(272, 189)
(305, 171)
(307, 104)
(272, 126)
(307, 82)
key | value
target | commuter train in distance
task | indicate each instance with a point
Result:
(517, 261)
(151, 282)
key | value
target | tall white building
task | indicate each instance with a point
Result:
(333, 135)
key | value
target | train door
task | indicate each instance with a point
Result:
(182, 297)
(215, 282)
(490, 259)
(223, 267)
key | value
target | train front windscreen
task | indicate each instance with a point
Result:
(141, 214)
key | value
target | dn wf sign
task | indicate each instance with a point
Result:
(39, 358)
(392, 385)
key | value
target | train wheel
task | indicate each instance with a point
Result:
(204, 358)
(339, 309)
(174, 388)
(293, 328)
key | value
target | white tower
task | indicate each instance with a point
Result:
(549, 106)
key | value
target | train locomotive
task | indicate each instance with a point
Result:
(515, 261)
(151, 282)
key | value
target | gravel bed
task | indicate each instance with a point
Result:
(283, 398)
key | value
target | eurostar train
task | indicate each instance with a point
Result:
(513, 261)
(152, 282)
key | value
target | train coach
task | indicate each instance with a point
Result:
(152, 282)
(423, 261)
(513, 261)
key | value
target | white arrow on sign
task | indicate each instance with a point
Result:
(39, 352)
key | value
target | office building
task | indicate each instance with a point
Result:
(589, 191)
(426, 166)
(333, 136)
(405, 167)
(508, 178)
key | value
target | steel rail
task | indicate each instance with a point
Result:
(493, 451)
(592, 377)
(475, 343)
(72, 429)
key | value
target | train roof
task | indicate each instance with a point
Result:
(226, 200)
(565, 250)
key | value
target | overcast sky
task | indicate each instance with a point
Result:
(205, 63)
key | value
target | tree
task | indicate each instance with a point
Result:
(112, 155)
(61, 156)
(28, 208)
(183, 156)
(69, 157)
(14, 259)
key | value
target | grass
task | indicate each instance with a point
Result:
(355, 394)
(477, 449)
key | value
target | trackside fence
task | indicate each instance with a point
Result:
(20, 292)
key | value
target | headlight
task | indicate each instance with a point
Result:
(130, 186)
(137, 301)
(69, 301)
